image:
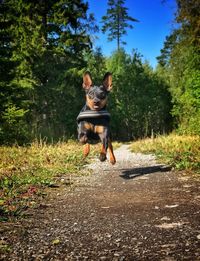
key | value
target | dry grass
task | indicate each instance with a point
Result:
(25, 171)
(182, 152)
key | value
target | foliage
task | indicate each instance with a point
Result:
(12, 123)
(180, 60)
(116, 21)
(181, 152)
(96, 64)
(188, 16)
(164, 57)
(42, 52)
(140, 100)
(185, 89)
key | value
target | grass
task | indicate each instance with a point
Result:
(25, 171)
(181, 152)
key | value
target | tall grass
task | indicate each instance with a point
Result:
(181, 152)
(24, 171)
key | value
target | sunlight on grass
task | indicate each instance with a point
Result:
(181, 152)
(116, 145)
(25, 170)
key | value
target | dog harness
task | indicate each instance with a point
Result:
(89, 114)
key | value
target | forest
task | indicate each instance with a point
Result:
(46, 46)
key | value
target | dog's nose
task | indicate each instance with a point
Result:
(96, 100)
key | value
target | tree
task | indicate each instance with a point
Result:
(188, 13)
(96, 64)
(13, 111)
(116, 21)
(170, 41)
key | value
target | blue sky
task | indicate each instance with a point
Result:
(147, 37)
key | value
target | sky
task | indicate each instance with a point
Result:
(156, 21)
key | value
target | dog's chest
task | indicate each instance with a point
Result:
(97, 129)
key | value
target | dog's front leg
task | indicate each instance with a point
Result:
(83, 138)
(104, 139)
(111, 153)
(86, 150)
(102, 156)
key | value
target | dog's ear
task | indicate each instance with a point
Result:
(87, 80)
(107, 81)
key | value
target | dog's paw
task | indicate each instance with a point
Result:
(102, 157)
(112, 160)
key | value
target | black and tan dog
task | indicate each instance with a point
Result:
(94, 120)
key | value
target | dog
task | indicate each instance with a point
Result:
(94, 120)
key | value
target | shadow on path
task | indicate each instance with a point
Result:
(135, 172)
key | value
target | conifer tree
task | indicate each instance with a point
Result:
(12, 125)
(116, 21)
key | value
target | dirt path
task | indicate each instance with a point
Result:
(136, 210)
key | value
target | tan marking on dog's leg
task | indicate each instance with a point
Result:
(111, 153)
(86, 150)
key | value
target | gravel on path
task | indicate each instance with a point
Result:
(135, 210)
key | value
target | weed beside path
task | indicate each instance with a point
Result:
(181, 152)
(25, 171)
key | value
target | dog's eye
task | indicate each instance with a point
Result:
(102, 96)
(91, 95)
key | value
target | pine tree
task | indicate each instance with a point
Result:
(12, 125)
(116, 21)
(170, 42)
(188, 13)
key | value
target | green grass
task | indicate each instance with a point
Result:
(25, 171)
(181, 152)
